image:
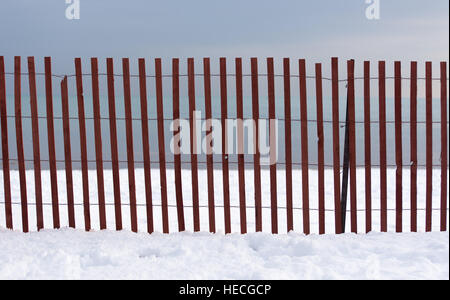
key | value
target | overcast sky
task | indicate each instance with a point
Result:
(315, 29)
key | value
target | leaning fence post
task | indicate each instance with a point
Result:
(5, 150)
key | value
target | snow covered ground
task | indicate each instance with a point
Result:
(218, 188)
(68, 253)
(74, 254)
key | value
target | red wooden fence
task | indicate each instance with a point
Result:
(291, 200)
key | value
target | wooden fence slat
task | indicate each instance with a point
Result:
(398, 148)
(98, 143)
(67, 146)
(176, 133)
(83, 148)
(429, 145)
(288, 143)
(209, 156)
(161, 145)
(194, 149)
(320, 148)
(146, 145)
(444, 149)
(272, 144)
(113, 139)
(413, 137)
(5, 148)
(382, 116)
(130, 149)
(304, 146)
(256, 157)
(36, 143)
(240, 134)
(336, 150)
(367, 147)
(19, 140)
(225, 170)
(352, 144)
(51, 142)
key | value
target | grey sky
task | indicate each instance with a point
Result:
(317, 30)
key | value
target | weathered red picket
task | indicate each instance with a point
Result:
(129, 137)
(444, 147)
(240, 134)
(382, 128)
(367, 147)
(176, 132)
(51, 141)
(225, 168)
(429, 145)
(36, 148)
(5, 147)
(336, 147)
(272, 145)
(209, 156)
(193, 143)
(304, 146)
(320, 149)
(288, 143)
(83, 146)
(145, 145)
(68, 148)
(161, 145)
(413, 137)
(113, 139)
(256, 156)
(19, 140)
(98, 143)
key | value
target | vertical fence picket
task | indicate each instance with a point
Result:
(398, 147)
(367, 147)
(176, 132)
(272, 145)
(320, 149)
(113, 139)
(145, 145)
(83, 148)
(352, 144)
(225, 170)
(194, 149)
(429, 145)
(256, 148)
(19, 140)
(240, 134)
(336, 150)
(444, 150)
(209, 156)
(98, 144)
(161, 145)
(382, 117)
(51, 142)
(5, 147)
(67, 145)
(304, 146)
(288, 143)
(36, 143)
(130, 149)
(413, 137)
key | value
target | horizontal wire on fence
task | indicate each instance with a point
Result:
(228, 75)
(203, 119)
(221, 206)
(214, 162)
